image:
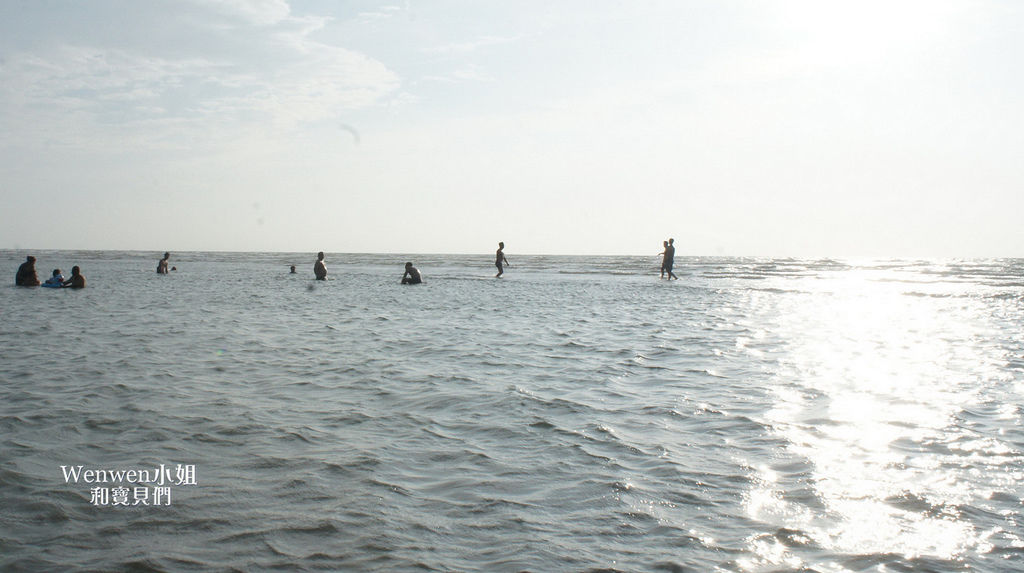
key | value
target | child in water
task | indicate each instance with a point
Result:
(56, 280)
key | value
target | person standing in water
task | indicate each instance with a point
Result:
(499, 259)
(664, 254)
(411, 276)
(161, 267)
(319, 268)
(27, 273)
(670, 259)
(77, 280)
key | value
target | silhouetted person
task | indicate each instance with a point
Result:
(27, 273)
(663, 254)
(670, 259)
(161, 267)
(293, 270)
(77, 280)
(319, 268)
(56, 280)
(499, 259)
(411, 276)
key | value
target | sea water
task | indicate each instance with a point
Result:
(578, 414)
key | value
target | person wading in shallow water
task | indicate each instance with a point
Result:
(670, 259)
(161, 267)
(319, 268)
(663, 254)
(499, 259)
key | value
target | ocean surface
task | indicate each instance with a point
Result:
(579, 414)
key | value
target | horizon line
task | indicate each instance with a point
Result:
(528, 254)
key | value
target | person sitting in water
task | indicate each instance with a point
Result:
(56, 280)
(161, 267)
(77, 280)
(411, 276)
(27, 273)
(319, 268)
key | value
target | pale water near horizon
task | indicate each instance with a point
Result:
(578, 414)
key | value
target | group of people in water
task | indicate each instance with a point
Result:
(27, 271)
(27, 276)
(411, 276)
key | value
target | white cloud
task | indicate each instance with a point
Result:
(89, 95)
(471, 73)
(330, 80)
(472, 45)
(258, 12)
(379, 15)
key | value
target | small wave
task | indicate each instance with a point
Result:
(142, 566)
(394, 488)
(244, 536)
(327, 528)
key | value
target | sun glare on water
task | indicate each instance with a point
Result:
(869, 394)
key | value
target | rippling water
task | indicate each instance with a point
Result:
(580, 413)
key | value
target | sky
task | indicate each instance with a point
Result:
(803, 128)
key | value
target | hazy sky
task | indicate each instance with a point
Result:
(784, 128)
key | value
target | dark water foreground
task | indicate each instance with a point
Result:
(756, 415)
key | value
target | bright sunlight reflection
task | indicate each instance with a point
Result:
(876, 372)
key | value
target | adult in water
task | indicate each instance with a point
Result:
(663, 253)
(670, 259)
(411, 276)
(293, 270)
(77, 280)
(161, 267)
(27, 273)
(499, 259)
(319, 268)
